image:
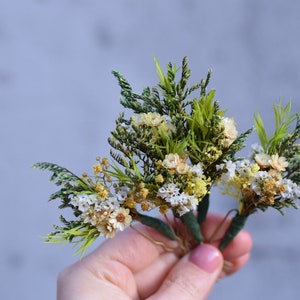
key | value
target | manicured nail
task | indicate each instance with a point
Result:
(206, 257)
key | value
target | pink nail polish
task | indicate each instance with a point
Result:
(206, 257)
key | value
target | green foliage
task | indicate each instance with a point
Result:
(75, 232)
(283, 119)
(72, 184)
(196, 121)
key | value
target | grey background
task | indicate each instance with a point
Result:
(58, 103)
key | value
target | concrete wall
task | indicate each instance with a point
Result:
(58, 103)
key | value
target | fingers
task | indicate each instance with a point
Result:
(234, 265)
(241, 244)
(150, 279)
(132, 249)
(138, 266)
(193, 276)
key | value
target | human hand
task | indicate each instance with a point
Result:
(131, 266)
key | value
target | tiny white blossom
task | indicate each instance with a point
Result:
(292, 190)
(168, 190)
(243, 167)
(257, 181)
(84, 201)
(183, 203)
(257, 148)
(230, 168)
(108, 204)
(197, 169)
(83, 206)
(122, 193)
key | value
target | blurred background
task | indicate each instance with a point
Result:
(59, 100)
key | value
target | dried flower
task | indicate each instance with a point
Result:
(168, 154)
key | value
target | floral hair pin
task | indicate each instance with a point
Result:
(167, 155)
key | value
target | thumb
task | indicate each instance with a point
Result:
(193, 276)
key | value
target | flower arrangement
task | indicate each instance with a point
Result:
(167, 155)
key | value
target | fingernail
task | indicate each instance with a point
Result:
(206, 257)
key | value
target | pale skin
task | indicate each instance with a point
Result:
(131, 266)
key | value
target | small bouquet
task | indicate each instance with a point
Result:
(167, 155)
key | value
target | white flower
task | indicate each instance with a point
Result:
(92, 199)
(149, 119)
(120, 218)
(182, 168)
(110, 203)
(230, 131)
(257, 148)
(107, 230)
(262, 159)
(292, 190)
(197, 169)
(171, 161)
(278, 163)
(183, 203)
(168, 190)
(74, 201)
(258, 180)
(153, 119)
(243, 167)
(230, 167)
(122, 193)
(83, 206)
(84, 201)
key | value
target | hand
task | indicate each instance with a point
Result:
(131, 266)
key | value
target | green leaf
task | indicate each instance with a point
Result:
(60, 174)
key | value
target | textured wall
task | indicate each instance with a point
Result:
(58, 102)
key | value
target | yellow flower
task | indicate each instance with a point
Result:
(159, 178)
(253, 169)
(105, 162)
(143, 193)
(163, 209)
(144, 205)
(130, 203)
(200, 187)
(97, 169)
(99, 187)
(102, 194)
